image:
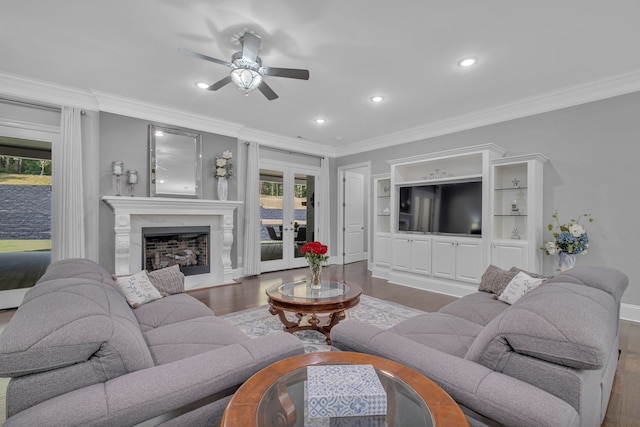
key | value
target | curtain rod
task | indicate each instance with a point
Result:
(282, 150)
(29, 104)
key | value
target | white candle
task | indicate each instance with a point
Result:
(117, 168)
(133, 177)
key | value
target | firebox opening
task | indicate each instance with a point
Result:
(187, 247)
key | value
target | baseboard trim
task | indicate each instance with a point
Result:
(630, 312)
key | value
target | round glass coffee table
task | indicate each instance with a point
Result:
(333, 298)
(275, 396)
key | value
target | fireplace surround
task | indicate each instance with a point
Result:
(132, 214)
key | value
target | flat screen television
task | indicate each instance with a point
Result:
(444, 208)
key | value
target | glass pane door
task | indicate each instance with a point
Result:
(286, 215)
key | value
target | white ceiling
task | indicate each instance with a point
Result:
(547, 51)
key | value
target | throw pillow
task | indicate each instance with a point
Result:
(519, 285)
(138, 289)
(168, 280)
(495, 279)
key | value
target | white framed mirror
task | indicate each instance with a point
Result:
(175, 163)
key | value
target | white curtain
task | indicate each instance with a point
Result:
(252, 213)
(67, 204)
(324, 212)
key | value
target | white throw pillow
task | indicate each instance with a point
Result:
(138, 289)
(518, 286)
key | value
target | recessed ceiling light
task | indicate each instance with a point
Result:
(202, 85)
(377, 98)
(320, 121)
(467, 62)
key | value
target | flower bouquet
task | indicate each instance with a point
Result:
(316, 255)
(222, 166)
(569, 240)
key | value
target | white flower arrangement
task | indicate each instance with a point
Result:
(570, 238)
(222, 167)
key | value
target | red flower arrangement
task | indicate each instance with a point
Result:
(315, 253)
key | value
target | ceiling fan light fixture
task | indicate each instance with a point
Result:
(246, 79)
(467, 62)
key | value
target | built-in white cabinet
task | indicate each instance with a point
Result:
(411, 253)
(457, 258)
(516, 203)
(381, 208)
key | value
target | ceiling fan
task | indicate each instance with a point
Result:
(247, 71)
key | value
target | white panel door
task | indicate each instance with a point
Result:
(421, 256)
(469, 261)
(354, 211)
(444, 256)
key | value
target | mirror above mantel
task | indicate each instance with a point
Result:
(175, 163)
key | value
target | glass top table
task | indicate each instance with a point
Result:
(275, 396)
(333, 298)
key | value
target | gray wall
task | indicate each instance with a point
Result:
(593, 156)
(126, 139)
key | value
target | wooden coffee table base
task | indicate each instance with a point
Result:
(312, 322)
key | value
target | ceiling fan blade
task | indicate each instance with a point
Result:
(291, 73)
(250, 47)
(205, 57)
(267, 91)
(217, 85)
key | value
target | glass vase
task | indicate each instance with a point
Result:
(316, 283)
(566, 260)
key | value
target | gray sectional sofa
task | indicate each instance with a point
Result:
(78, 355)
(547, 360)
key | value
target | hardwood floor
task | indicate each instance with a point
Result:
(623, 408)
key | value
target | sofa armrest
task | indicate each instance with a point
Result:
(153, 392)
(494, 395)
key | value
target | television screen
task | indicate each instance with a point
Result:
(448, 208)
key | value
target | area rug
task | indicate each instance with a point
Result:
(257, 321)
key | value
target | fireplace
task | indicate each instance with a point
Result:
(185, 246)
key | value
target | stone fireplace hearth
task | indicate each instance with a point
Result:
(132, 214)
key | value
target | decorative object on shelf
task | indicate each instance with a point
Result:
(223, 188)
(516, 182)
(385, 190)
(222, 170)
(132, 180)
(515, 233)
(514, 208)
(117, 168)
(316, 255)
(569, 240)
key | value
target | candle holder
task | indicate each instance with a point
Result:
(117, 169)
(132, 180)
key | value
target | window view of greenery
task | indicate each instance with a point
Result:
(18, 175)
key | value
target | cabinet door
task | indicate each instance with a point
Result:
(401, 254)
(468, 261)
(444, 255)
(421, 256)
(506, 255)
(383, 251)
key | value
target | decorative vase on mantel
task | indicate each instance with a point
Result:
(566, 260)
(223, 188)
(315, 283)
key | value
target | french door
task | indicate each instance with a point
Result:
(287, 214)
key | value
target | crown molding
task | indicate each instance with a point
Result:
(285, 142)
(159, 113)
(619, 84)
(45, 93)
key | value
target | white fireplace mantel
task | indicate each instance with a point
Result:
(133, 213)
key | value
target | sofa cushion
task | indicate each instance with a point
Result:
(138, 289)
(170, 309)
(495, 279)
(168, 280)
(184, 339)
(91, 320)
(443, 332)
(611, 281)
(521, 284)
(80, 268)
(566, 324)
(478, 307)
